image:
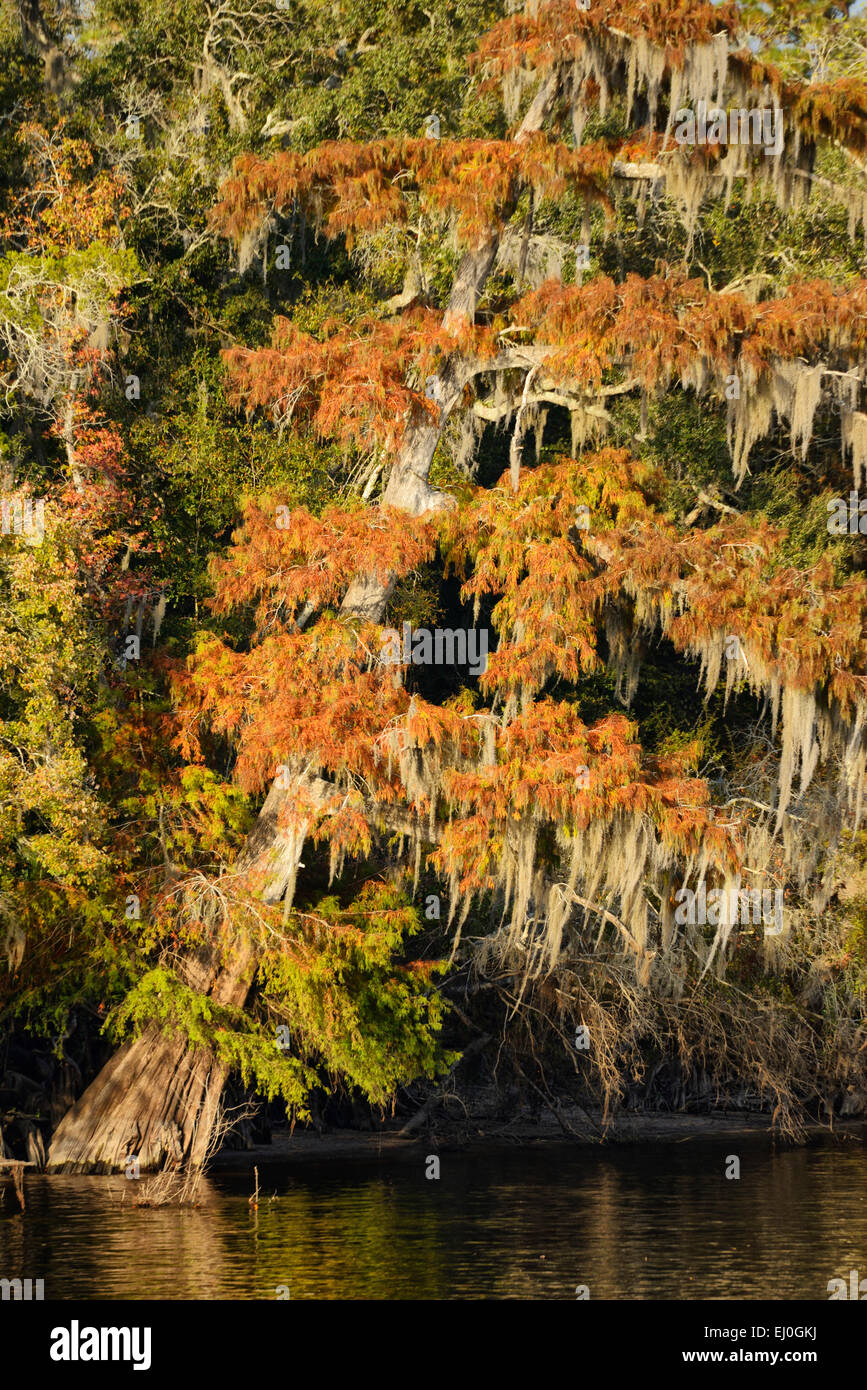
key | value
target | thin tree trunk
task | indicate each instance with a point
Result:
(408, 488)
(35, 33)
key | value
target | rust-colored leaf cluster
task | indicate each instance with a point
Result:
(348, 189)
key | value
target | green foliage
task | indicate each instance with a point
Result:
(346, 999)
(355, 1010)
(160, 998)
(856, 942)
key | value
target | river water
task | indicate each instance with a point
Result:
(657, 1221)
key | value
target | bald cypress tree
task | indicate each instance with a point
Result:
(521, 320)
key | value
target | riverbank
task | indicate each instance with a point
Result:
(626, 1131)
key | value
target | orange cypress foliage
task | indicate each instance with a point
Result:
(613, 46)
(362, 383)
(284, 557)
(353, 383)
(468, 779)
(317, 695)
(668, 329)
(830, 111)
(532, 802)
(347, 189)
(802, 632)
(558, 31)
(659, 328)
(525, 546)
(324, 697)
(533, 780)
(806, 627)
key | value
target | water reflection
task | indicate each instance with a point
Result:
(660, 1222)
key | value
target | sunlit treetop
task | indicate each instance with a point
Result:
(575, 564)
(681, 54)
(63, 203)
(685, 52)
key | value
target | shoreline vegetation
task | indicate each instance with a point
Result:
(634, 1131)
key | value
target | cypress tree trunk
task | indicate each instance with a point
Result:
(158, 1097)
